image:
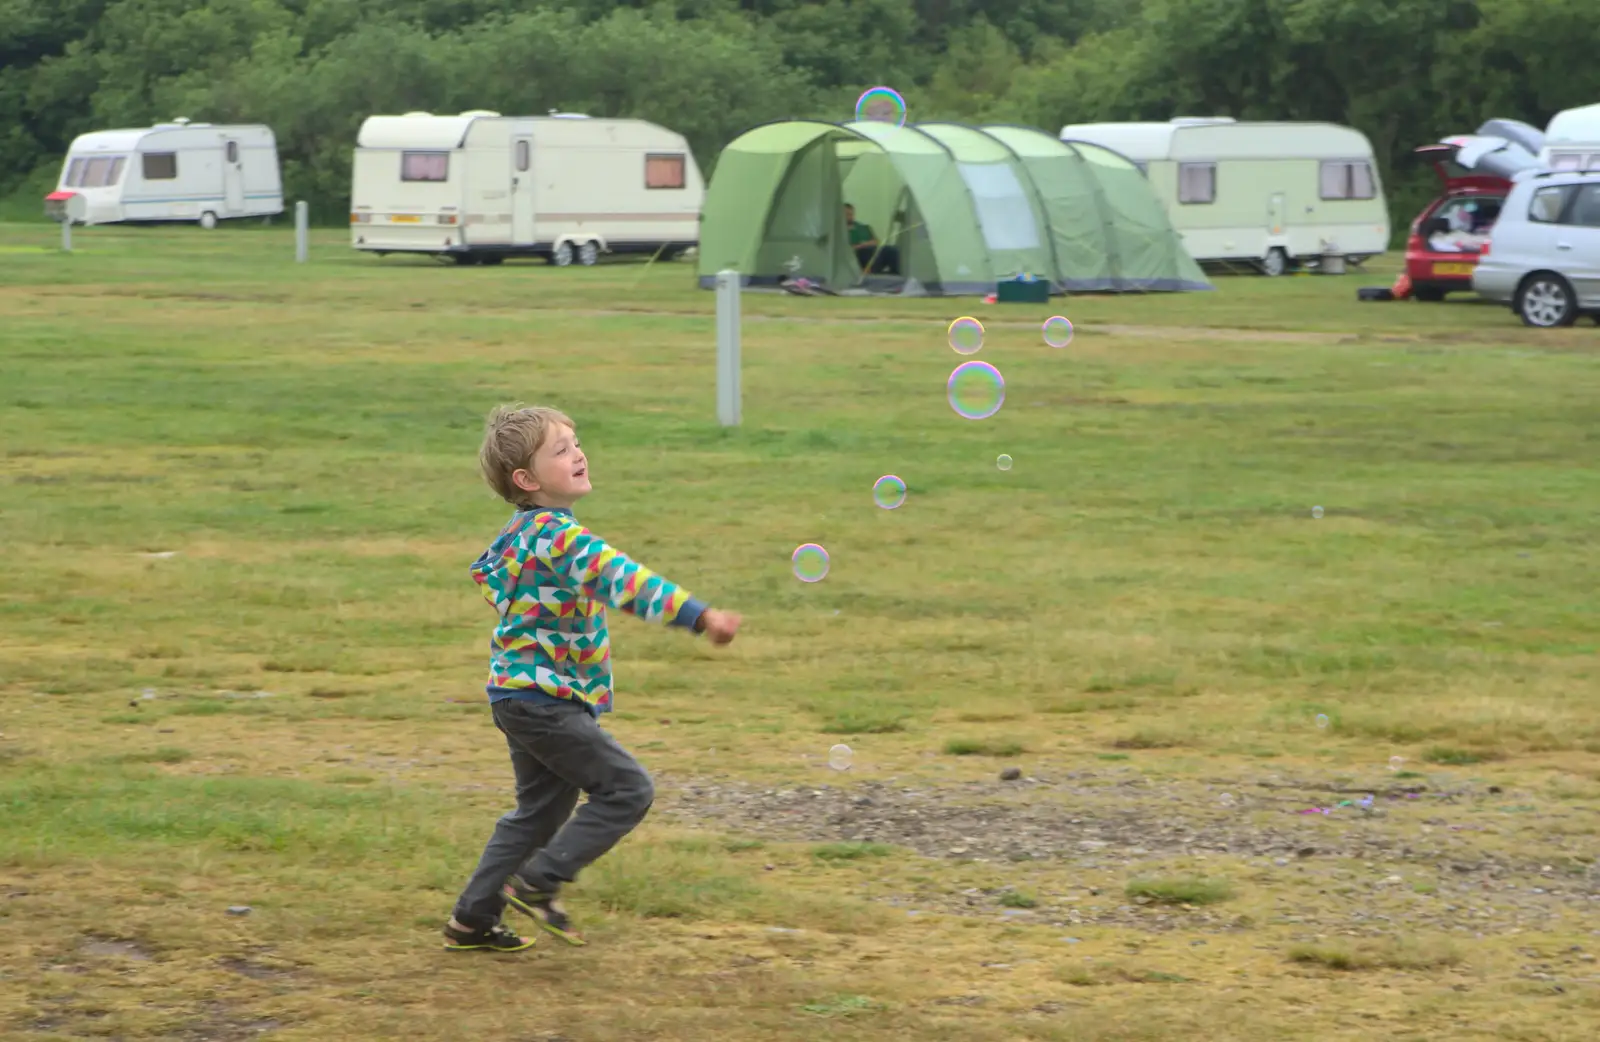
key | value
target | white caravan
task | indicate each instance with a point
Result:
(1572, 140)
(1261, 193)
(480, 187)
(178, 171)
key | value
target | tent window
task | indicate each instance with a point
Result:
(665, 170)
(1003, 211)
(160, 166)
(1343, 179)
(1197, 182)
(425, 166)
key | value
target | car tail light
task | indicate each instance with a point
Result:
(1414, 243)
(1483, 251)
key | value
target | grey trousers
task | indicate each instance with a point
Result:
(557, 749)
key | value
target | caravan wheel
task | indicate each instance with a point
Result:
(588, 254)
(561, 256)
(1275, 263)
(208, 220)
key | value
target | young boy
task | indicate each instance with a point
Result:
(550, 679)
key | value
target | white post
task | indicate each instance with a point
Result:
(66, 234)
(728, 286)
(302, 231)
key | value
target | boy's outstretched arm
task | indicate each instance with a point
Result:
(613, 578)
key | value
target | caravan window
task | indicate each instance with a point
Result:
(425, 166)
(94, 172)
(524, 156)
(1567, 161)
(160, 166)
(665, 170)
(1197, 182)
(232, 151)
(1347, 179)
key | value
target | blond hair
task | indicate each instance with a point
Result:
(511, 435)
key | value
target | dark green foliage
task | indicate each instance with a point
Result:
(1403, 71)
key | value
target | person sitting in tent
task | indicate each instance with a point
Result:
(870, 254)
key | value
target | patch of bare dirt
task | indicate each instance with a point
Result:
(1481, 859)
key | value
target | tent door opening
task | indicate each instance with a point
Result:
(232, 175)
(522, 223)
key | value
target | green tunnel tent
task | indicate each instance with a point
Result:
(964, 206)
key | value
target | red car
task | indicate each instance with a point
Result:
(1450, 232)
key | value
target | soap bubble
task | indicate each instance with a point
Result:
(965, 335)
(881, 105)
(810, 562)
(1058, 331)
(1322, 720)
(839, 757)
(1396, 762)
(1227, 799)
(976, 390)
(888, 492)
(1316, 511)
(1003, 461)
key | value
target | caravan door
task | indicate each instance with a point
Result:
(232, 175)
(522, 191)
(1276, 212)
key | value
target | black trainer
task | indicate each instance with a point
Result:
(542, 907)
(495, 938)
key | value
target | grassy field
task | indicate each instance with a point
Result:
(241, 660)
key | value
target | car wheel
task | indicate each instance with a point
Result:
(561, 256)
(1545, 301)
(1275, 263)
(1428, 294)
(208, 220)
(589, 254)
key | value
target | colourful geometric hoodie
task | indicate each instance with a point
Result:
(551, 580)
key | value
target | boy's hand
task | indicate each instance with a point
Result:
(720, 626)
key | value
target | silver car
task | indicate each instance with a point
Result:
(1543, 258)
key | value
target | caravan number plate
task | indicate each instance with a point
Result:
(411, 218)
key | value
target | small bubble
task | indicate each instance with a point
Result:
(966, 335)
(1003, 461)
(1058, 331)
(1396, 762)
(1227, 799)
(810, 562)
(1322, 721)
(1316, 511)
(976, 390)
(881, 105)
(888, 492)
(839, 757)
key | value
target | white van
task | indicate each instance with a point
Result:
(1260, 193)
(178, 171)
(1572, 140)
(480, 187)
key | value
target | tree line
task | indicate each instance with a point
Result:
(1403, 71)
